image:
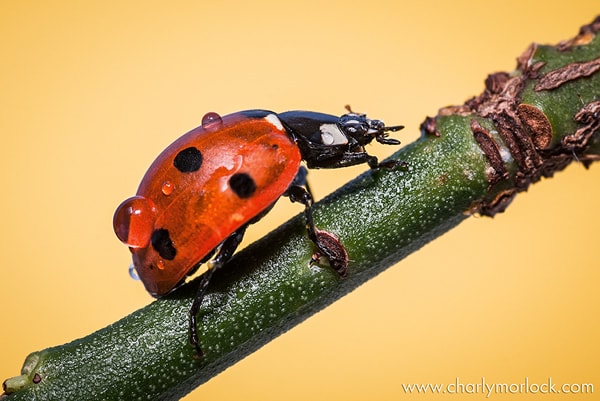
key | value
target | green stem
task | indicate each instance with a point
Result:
(471, 158)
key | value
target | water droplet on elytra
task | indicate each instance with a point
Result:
(133, 273)
(167, 188)
(133, 221)
(211, 121)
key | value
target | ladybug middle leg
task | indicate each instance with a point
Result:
(226, 251)
(327, 244)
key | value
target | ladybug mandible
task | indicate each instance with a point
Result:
(201, 193)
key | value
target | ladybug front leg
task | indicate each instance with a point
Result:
(226, 251)
(347, 159)
(326, 243)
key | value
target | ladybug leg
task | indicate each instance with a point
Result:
(345, 159)
(226, 251)
(195, 308)
(326, 243)
(374, 163)
(300, 180)
(390, 165)
(353, 158)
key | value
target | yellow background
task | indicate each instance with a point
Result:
(91, 92)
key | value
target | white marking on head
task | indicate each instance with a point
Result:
(274, 120)
(331, 135)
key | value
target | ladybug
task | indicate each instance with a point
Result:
(201, 193)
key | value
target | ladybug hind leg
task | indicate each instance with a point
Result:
(327, 244)
(226, 251)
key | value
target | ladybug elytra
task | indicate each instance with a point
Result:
(200, 194)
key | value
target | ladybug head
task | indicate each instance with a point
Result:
(327, 141)
(321, 131)
(364, 130)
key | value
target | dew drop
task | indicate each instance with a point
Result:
(160, 264)
(211, 121)
(167, 188)
(133, 273)
(133, 221)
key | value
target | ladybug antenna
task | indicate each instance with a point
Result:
(382, 137)
(381, 131)
(394, 128)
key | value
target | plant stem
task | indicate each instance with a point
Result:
(472, 158)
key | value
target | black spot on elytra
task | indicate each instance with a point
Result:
(188, 160)
(242, 185)
(161, 242)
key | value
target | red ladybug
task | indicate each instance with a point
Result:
(202, 191)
